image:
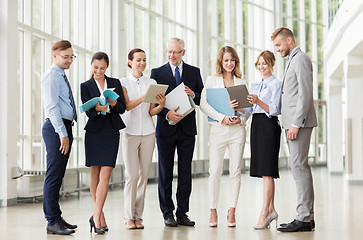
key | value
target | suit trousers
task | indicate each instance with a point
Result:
(137, 154)
(220, 138)
(184, 144)
(299, 150)
(56, 168)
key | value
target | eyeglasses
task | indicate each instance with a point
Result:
(173, 52)
(68, 57)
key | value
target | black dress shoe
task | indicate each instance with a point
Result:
(68, 225)
(170, 221)
(59, 228)
(312, 223)
(185, 221)
(296, 226)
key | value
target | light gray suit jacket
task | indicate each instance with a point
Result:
(297, 92)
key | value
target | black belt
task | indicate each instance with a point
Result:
(65, 121)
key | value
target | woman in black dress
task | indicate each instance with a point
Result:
(265, 133)
(102, 135)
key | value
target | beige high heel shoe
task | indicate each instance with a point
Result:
(230, 224)
(211, 222)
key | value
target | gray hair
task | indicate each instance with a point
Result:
(179, 40)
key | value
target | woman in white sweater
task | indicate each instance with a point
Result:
(138, 138)
(225, 132)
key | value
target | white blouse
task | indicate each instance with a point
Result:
(138, 120)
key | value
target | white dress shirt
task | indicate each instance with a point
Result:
(138, 120)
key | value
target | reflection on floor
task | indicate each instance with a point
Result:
(338, 207)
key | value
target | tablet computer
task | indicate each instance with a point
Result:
(239, 92)
(152, 91)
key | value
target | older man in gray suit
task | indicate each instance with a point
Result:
(298, 120)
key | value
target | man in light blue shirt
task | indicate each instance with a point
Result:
(60, 112)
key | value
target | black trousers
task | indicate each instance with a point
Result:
(56, 168)
(184, 145)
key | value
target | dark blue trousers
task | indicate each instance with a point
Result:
(56, 167)
(184, 145)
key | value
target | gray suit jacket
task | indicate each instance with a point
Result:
(297, 92)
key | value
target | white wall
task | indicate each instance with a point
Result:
(8, 99)
(343, 57)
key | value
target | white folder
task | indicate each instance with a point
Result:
(179, 98)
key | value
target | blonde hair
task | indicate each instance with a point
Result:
(219, 63)
(269, 58)
(285, 32)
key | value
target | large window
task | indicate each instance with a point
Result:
(116, 27)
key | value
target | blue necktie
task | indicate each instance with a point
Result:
(177, 76)
(71, 98)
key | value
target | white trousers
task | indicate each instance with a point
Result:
(220, 138)
(137, 154)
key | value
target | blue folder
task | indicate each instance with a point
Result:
(103, 101)
(218, 98)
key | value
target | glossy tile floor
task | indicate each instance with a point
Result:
(338, 207)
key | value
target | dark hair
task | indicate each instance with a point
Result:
(61, 45)
(285, 32)
(100, 56)
(131, 54)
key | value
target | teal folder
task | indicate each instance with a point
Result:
(218, 98)
(103, 101)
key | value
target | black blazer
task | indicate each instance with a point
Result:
(90, 90)
(191, 78)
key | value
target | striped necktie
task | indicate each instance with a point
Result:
(71, 98)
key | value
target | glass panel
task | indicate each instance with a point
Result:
(36, 75)
(233, 20)
(56, 17)
(179, 13)
(152, 58)
(126, 29)
(74, 21)
(245, 23)
(153, 6)
(296, 31)
(36, 154)
(191, 15)
(139, 28)
(166, 7)
(37, 14)
(220, 15)
(89, 25)
(140, 2)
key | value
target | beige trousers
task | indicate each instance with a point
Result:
(220, 138)
(137, 154)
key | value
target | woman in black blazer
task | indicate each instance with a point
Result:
(102, 135)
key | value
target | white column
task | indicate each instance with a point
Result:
(203, 64)
(354, 135)
(335, 127)
(9, 100)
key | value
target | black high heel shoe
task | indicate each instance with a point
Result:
(93, 225)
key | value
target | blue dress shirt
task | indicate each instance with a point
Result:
(56, 101)
(268, 91)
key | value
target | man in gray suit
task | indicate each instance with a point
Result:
(298, 120)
